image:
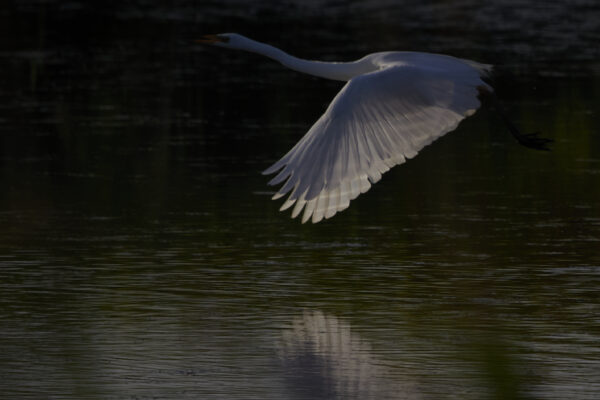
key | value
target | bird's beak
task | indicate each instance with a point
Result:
(212, 39)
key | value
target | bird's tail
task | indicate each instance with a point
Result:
(484, 69)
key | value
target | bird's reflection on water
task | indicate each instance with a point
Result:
(323, 358)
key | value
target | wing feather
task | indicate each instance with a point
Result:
(378, 120)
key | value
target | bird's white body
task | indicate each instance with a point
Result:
(393, 105)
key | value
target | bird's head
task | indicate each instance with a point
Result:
(229, 40)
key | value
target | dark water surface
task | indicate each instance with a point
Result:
(141, 255)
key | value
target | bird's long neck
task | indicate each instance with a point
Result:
(341, 71)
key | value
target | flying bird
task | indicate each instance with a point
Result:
(393, 104)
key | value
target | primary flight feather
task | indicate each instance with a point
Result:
(393, 105)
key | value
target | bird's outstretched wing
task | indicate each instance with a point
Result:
(376, 121)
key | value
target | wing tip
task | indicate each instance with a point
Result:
(273, 168)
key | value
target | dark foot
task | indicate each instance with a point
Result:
(528, 140)
(532, 141)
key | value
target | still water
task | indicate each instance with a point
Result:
(141, 255)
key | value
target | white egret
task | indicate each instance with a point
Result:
(393, 104)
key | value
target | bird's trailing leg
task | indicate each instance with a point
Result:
(531, 140)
